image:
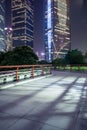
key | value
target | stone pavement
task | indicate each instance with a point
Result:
(57, 102)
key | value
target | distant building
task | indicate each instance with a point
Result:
(56, 28)
(2, 25)
(22, 23)
(8, 35)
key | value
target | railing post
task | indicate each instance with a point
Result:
(32, 72)
(42, 71)
(17, 74)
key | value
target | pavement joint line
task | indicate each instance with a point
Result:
(23, 117)
(33, 121)
(42, 122)
(11, 114)
(13, 123)
(21, 82)
(1, 112)
(19, 118)
(81, 107)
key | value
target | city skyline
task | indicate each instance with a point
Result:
(78, 24)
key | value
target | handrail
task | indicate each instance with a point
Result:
(72, 67)
(22, 66)
(31, 69)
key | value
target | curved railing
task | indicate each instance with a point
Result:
(21, 72)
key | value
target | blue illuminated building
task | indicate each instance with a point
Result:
(22, 23)
(2, 25)
(56, 29)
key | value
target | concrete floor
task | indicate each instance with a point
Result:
(57, 102)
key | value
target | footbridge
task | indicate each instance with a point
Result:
(44, 100)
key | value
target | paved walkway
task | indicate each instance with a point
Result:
(57, 102)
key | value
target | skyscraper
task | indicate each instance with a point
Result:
(22, 23)
(2, 25)
(56, 28)
(8, 35)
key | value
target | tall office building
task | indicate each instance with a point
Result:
(56, 28)
(2, 25)
(22, 23)
(8, 35)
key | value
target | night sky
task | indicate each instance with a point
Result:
(78, 24)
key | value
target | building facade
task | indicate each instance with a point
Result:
(2, 25)
(56, 28)
(8, 39)
(22, 23)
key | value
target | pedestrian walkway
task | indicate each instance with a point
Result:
(57, 102)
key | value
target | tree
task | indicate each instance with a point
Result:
(74, 57)
(85, 57)
(2, 55)
(58, 62)
(43, 62)
(20, 55)
(85, 54)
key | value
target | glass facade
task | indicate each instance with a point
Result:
(8, 35)
(56, 29)
(2, 25)
(22, 23)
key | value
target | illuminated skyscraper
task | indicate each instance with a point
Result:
(2, 25)
(22, 23)
(56, 28)
(8, 35)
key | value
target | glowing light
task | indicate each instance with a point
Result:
(5, 28)
(10, 29)
(42, 54)
(49, 27)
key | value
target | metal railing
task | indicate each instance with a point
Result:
(21, 72)
(78, 68)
